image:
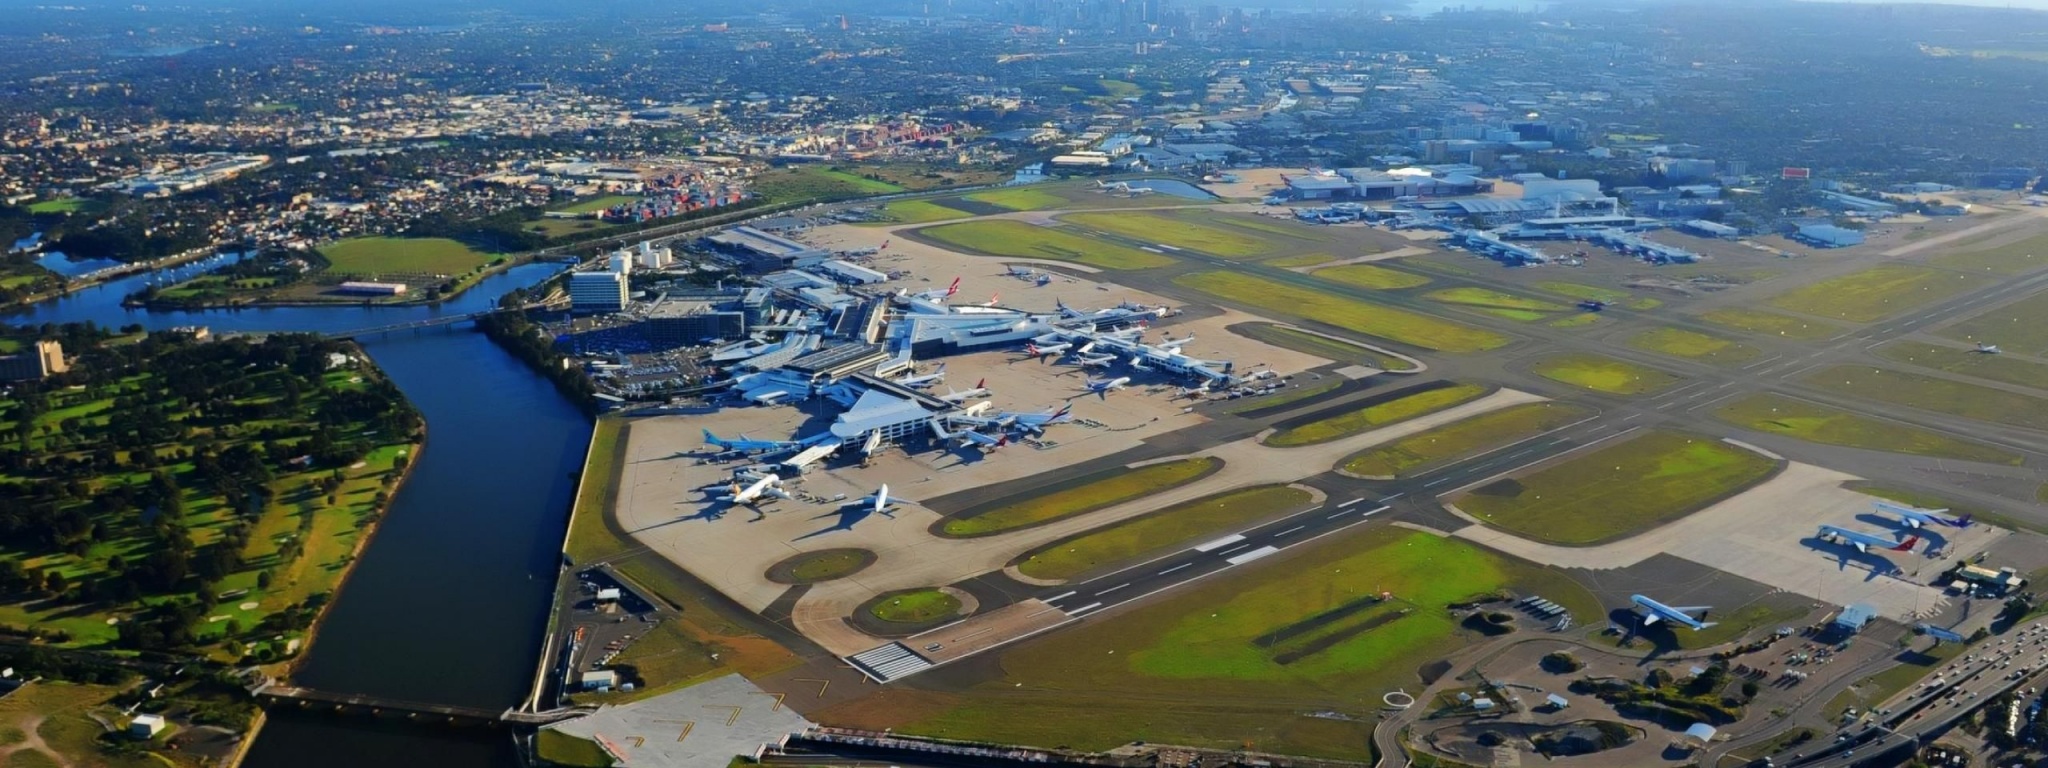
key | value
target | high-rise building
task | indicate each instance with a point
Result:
(45, 359)
(597, 292)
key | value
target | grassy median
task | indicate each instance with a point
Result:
(1092, 493)
(1969, 401)
(1498, 303)
(1875, 293)
(1319, 345)
(1177, 231)
(917, 606)
(1603, 374)
(1692, 345)
(1370, 277)
(1463, 438)
(1812, 422)
(1618, 490)
(1003, 237)
(1385, 322)
(1162, 531)
(1375, 415)
(1771, 324)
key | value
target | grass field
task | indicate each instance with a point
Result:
(917, 606)
(1369, 276)
(810, 182)
(1358, 421)
(1108, 490)
(1016, 238)
(67, 729)
(1967, 362)
(1969, 401)
(1167, 529)
(1618, 490)
(1303, 260)
(1322, 346)
(1584, 292)
(1384, 322)
(1291, 394)
(1875, 293)
(1603, 374)
(2021, 326)
(2012, 259)
(1781, 415)
(1580, 320)
(401, 255)
(1771, 324)
(1498, 303)
(62, 205)
(1464, 438)
(921, 211)
(595, 204)
(1177, 231)
(1215, 651)
(822, 565)
(559, 748)
(1693, 345)
(1020, 199)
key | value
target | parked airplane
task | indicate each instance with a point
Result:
(766, 486)
(1036, 423)
(1032, 349)
(920, 382)
(984, 442)
(745, 445)
(1105, 386)
(980, 390)
(1681, 615)
(1174, 345)
(938, 295)
(1921, 518)
(1022, 273)
(1095, 361)
(1989, 349)
(879, 502)
(1864, 541)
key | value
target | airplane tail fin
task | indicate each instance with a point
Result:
(711, 438)
(1908, 545)
(1002, 441)
(1964, 521)
(983, 384)
(954, 288)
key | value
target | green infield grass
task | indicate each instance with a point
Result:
(1875, 293)
(401, 255)
(595, 204)
(1463, 438)
(1243, 659)
(1157, 532)
(917, 606)
(1176, 231)
(1020, 199)
(1584, 292)
(1003, 237)
(1105, 490)
(1385, 322)
(2016, 258)
(558, 748)
(921, 211)
(2020, 326)
(1771, 324)
(1303, 260)
(1617, 490)
(1508, 305)
(1693, 345)
(1369, 276)
(1967, 362)
(821, 565)
(1321, 346)
(1579, 320)
(1603, 374)
(1782, 415)
(1377, 415)
(1969, 401)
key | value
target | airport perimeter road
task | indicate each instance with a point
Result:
(1145, 579)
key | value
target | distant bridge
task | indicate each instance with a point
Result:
(355, 703)
(435, 322)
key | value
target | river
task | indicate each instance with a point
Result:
(449, 602)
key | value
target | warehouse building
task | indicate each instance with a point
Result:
(759, 251)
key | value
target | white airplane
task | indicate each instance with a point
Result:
(1989, 349)
(1174, 345)
(1921, 518)
(1680, 615)
(938, 295)
(1105, 386)
(766, 486)
(980, 390)
(1036, 423)
(1864, 541)
(745, 445)
(984, 442)
(1095, 361)
(1032, 349)
(921, 382)
(993, 299)
(879, 503)
(1022, 273)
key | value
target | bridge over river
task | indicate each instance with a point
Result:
(271, 694)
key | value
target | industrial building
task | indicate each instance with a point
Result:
(761, 252)
(1828, 236)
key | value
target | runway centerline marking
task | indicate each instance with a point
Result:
(1069, 593)
(1349, 503)
(1220, 543)
(1288, 531)
(1175, 568)
(1112, 589)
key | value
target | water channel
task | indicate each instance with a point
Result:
(449, 601)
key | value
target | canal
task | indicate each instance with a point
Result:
(449, 601)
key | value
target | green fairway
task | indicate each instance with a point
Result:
(1167, 529)
(1969, 401)
(1463, 438)
(1603, 374)
(1370, 276)
(1243, 658)
(2020, 326)
(1385, 322)
(1692, 345)
(1821, 424)
(1508, 305)
(1016, 238)
(1020, 199)
(1174, 230)
(1321, 346)
(1875, 293)
(2016, 258)
(1092, 493)
(401, 256)
(917, 606)
(921, 211)
(1968, 362)
(1618, 490)
(595, 204)
(1376, 415)
(1771, 324)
